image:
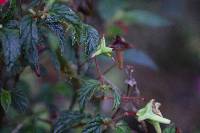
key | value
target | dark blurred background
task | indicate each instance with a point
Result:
(166, 54)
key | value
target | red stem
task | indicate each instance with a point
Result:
(119, 59)
(125, 98)
(98, 71)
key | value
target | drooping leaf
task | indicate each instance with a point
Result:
(64, 13)
(79, 34)
(139, 57)
(87, 91)
(95, 124)
(67, 120)
(92, 40)
(58, 29)
(11, 47)
(122, 127)
(5, 99)
(116, 94)
(19, 100)
(86, 35)
(29, 38)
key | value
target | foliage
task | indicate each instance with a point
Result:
(95, 124)
(67, 120)
(29, 39)
(57, 29)
(117, 98)
(19, 100)
(11, 47)
(31, 32)
(85, 35)
(87, 91)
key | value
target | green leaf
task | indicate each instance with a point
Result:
(11, 47)
(116, 94)
(95, 124)
(79, 34)
(171, 129)
(19, 100)
(92, 40)
(5, 99)
(67, 120)
(58, 29)
(87, 91)
(122, 127)
(64, 13)
(29, 38)
(85, 35)
(117, 98)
